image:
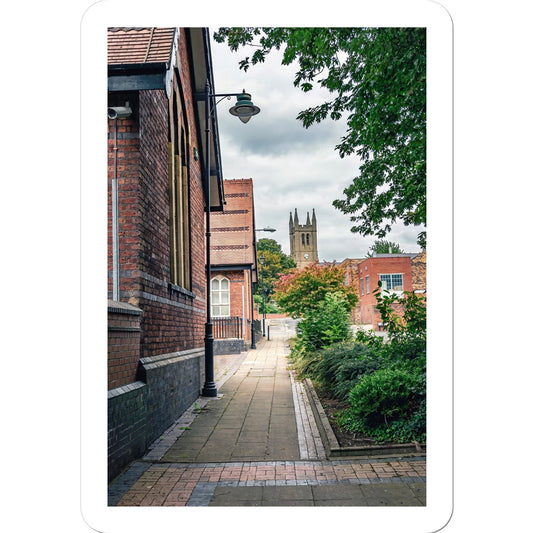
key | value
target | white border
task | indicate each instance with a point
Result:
(94, 267)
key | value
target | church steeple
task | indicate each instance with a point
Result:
(303, 239)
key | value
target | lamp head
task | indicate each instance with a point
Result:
(244, 108)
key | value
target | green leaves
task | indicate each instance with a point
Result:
(301, 291)
(378, 79)
(382, 246)
(276, 264)
(326, 324)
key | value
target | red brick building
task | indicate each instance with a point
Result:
(395, 273)
(233, 268)
(352, 278)
(156, 230)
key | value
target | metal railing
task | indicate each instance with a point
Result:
(228, 327)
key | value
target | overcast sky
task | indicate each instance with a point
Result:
(292, 167)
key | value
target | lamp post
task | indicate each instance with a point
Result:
(262, 262)
(270, 230)
(244, 109)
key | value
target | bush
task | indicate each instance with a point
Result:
(305, 364)
(343, 364)
(383, 396)
(389, 404)
(327, 324)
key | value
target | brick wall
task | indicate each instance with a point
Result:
(352, 278)
(127, 173)
(173, 318)
(151, 385)
(373, 267)
(123, 343)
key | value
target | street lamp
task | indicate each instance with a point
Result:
(266, 228)
(262, 262)
(244, 109)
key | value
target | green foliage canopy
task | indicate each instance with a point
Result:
(302, 290)
(382, 246)
(378, 79)
(276, 264)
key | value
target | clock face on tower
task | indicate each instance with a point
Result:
(306, 256)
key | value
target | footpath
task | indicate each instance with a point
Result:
(257, 444)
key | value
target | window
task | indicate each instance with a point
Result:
(303, 238)
(391, 282)
(178, 167)
(220, 296)
(367, 284)
(307, 238)
(362, 286)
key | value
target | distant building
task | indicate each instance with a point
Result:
(233, 268)
(303, 240)
(418, 268)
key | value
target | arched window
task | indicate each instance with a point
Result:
(178, 150)
(303, 238)
(220, 296)
(307, 238)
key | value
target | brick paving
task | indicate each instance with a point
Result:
(203, 484)
(257, 444)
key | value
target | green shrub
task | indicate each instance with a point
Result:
(383, 381)
(327, 324)
(389, 404)
(398, 431)
(305, 363)
(343, 364)
(383, 396)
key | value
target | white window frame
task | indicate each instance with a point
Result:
(216, 303)
(386, 289)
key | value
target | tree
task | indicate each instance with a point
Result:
(276, 264)
(303, 290)
(384, 247)
(378, 77)
(270, 245)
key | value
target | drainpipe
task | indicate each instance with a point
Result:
(115, 113)
(114, 218)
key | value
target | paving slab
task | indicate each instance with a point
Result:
(256, 444)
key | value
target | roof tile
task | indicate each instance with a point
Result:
(128, 46)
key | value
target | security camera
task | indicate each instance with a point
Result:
(119, 112)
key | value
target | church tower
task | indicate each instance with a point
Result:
(303, 240)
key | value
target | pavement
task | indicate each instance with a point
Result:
(257, 444)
